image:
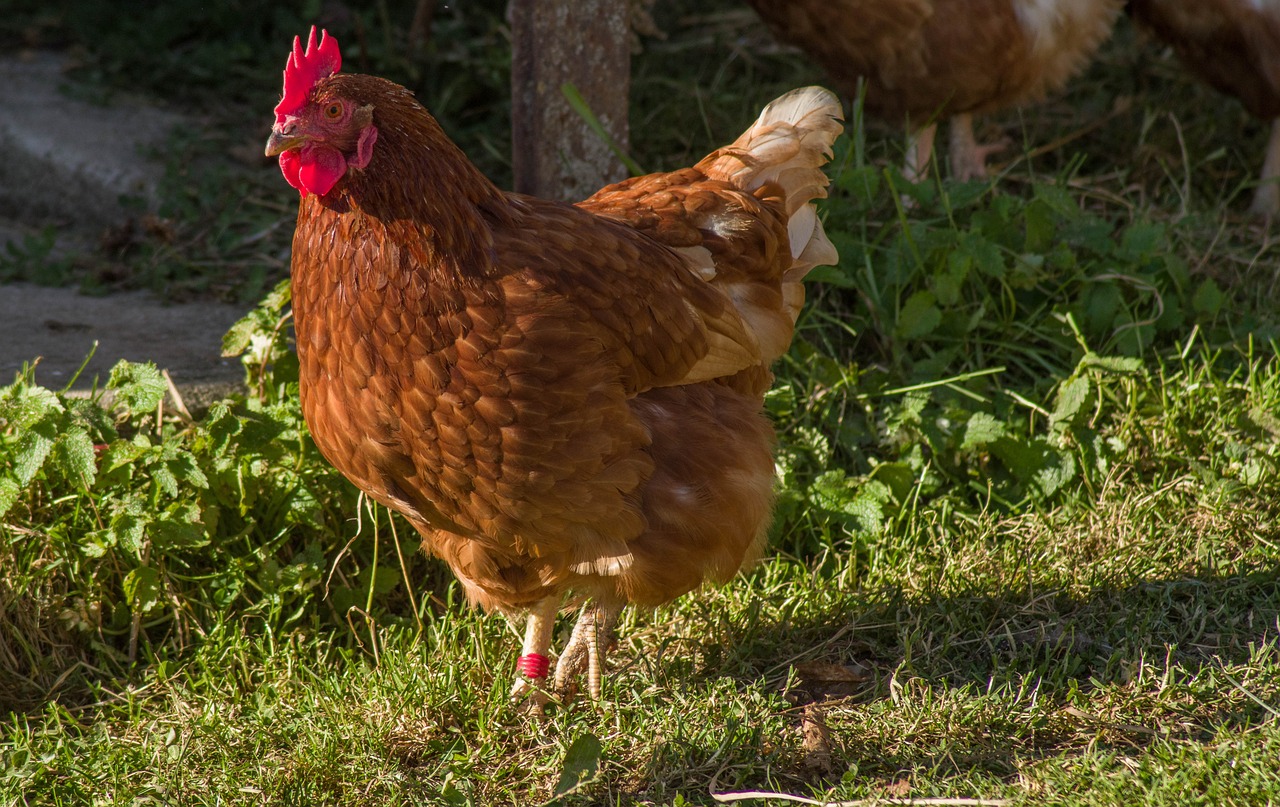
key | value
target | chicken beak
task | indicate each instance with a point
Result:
(280, 142)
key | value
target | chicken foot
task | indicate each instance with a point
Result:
(1266, 200)
(968, 157)
(534, 661)
(586, 648)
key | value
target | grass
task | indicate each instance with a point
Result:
(1028, 499)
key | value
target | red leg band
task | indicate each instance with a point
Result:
(533, 665)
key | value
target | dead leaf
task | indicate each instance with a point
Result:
(815, 739)
(899, 789)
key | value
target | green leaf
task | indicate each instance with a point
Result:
(1058, 471)
(961, 195)
(581, 765)
(1091, 234)
(1120, 365)
(982, 429)
(9, 490)
(816, 442)
(163, 476)
(900, 477)
(870, 505)
(142, 588)
(185, 468)
(1072, 395)
(385, 578)
(1102, 301)
(24, 405)
(75, 456)
(179, 527)
(1023, 458)
(1208, 298)
(139, 387)
(128, 526)
(947, 288)
(985, 254)
(1057, 199)
(240, 335)
(831, 275)
(831, 491)
(34, 448)
(1142, 238)
(279, 297)
(919, 316)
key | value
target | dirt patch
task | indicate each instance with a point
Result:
(60, 326)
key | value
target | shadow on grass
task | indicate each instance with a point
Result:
(982, 683)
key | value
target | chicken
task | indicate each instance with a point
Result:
(921, 60)
(1234, 45)
(564, 400)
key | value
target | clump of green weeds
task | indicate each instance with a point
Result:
(978, 349)
(129, 530)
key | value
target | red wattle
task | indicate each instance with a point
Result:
(313, 170)
(321, 169)
(289, 164)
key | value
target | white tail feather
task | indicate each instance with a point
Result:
(788, 145)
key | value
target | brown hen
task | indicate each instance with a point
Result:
(1233, 45)
(565, 400)
(921, 60)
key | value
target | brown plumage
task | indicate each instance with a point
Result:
(922, 60)
(1234, 46)
(565, 400)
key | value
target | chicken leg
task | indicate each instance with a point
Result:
(533, 662)
(1266, 200)
(968, 157)
(919, 152)
(587, 647)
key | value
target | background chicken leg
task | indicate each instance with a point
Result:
(968, 156)
(1266, 202)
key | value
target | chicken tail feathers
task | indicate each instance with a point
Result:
(788, 145)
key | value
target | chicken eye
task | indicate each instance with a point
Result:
(333, 111)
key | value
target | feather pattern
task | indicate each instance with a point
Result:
(561, 398)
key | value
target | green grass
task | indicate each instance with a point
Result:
(1028, 522)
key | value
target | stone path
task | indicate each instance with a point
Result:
(66, 164)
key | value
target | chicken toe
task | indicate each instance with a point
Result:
(586, 649)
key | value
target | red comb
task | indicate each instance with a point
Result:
(303, 70)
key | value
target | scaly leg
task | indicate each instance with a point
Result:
(574, 656)
(587, 647)
(1266, 200)
(968, 158)
(919, 152)
(533, 662)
